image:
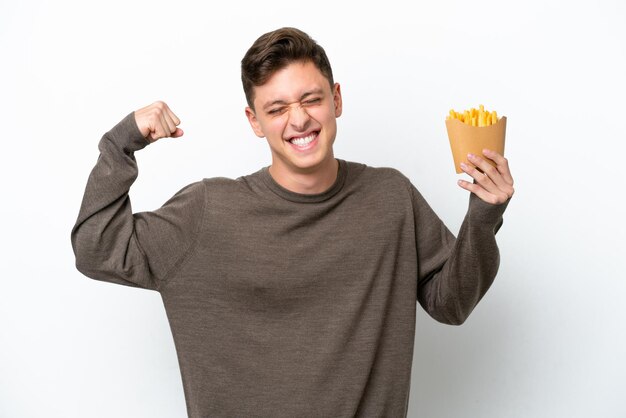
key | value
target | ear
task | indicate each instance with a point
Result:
(254, 122)
(337, 100)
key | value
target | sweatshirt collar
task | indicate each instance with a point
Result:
(303, 197)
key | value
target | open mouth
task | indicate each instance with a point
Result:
(304, 141)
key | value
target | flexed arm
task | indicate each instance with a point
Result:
(109, 241)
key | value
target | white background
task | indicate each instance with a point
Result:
(548, 339)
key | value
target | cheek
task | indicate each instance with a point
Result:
(273, 127)
(325, 116)
(277, 125)
(330, 120)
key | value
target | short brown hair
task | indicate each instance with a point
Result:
(274, 51)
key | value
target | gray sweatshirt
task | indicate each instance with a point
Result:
(284, 304)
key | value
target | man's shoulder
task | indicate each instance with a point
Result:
(233, 191)
(224, 186)
(212, 182)
(383, 176)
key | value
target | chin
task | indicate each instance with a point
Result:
(313, 164)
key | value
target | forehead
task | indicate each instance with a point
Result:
(290, 83)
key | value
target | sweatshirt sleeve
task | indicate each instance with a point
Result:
(110, 242)
(455, 273)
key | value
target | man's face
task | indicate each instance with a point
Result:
(296, 111)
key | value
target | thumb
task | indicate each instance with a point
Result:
(178, 133)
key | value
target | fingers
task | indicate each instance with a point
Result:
(492, 184)
(172, 123)
(169, 122)
(502, 164)
(158, 121)
(478, 191)
(499, 175)
(490, 177)
(481, 177)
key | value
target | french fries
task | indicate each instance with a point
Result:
(466, 137)
(475, 117)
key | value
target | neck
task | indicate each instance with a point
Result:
(313, 182)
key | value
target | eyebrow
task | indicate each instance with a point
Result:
(304, 96)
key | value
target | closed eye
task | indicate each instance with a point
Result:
(276, 111)
(313, 101)
(282, 109)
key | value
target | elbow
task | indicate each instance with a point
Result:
(85, 269)
(453, 318)
(455, 321)
(84, 260)
(108, 263)
(85, 252)
(450, 312)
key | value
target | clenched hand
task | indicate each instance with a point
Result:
(157, 121)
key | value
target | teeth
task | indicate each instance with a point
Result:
(303, 141)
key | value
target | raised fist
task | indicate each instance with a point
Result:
(157, 121)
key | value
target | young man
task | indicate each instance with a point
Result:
(291, 292)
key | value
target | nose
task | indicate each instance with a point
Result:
(299, 118)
